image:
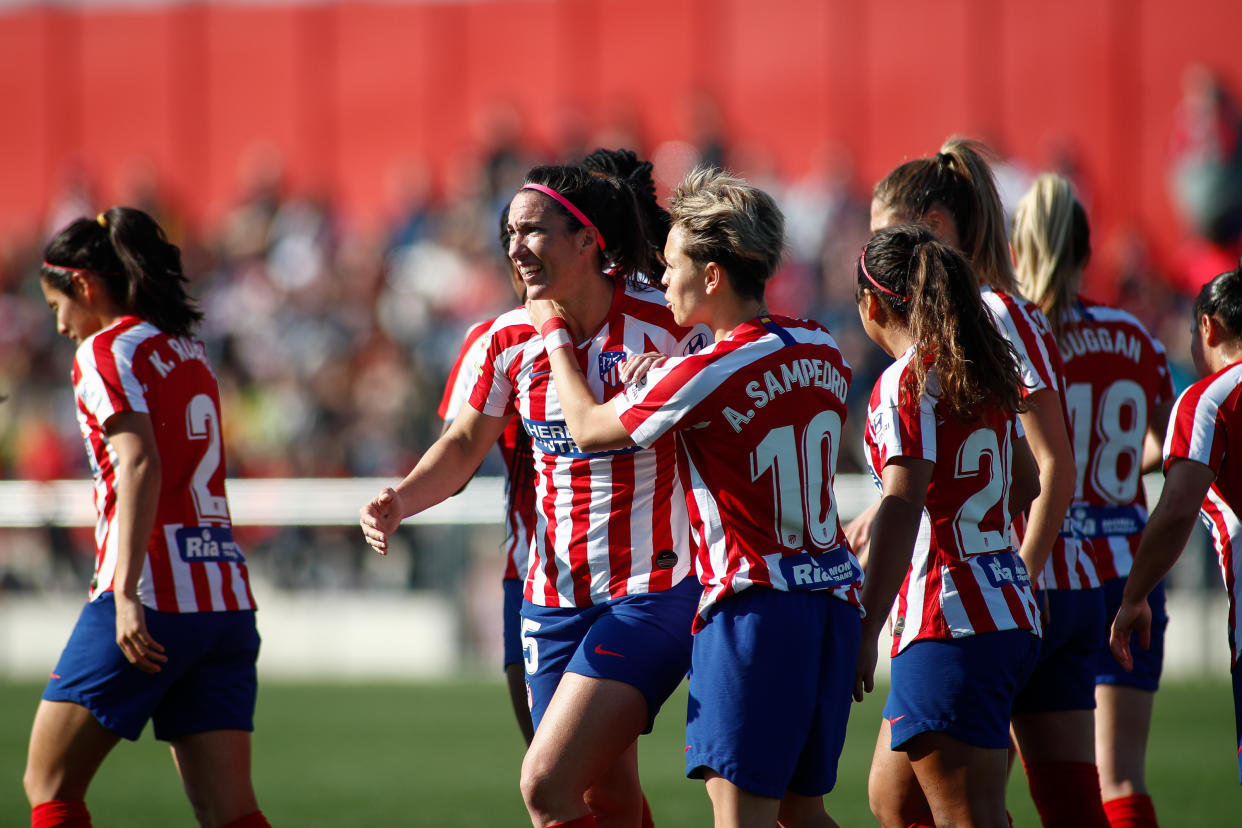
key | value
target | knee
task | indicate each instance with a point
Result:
(45, 784)
(538, 784)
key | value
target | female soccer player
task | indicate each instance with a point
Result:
(1202, 474)
(514, 443)
(607, 609)
(1118, 393)
(944, 442)
(953, 193)
(168, 633)
(758, 420)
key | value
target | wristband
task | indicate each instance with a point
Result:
(555, 335)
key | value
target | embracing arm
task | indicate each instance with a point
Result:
(904, 481)
(446, 467)
(1046, 434)
(1185, 486)
(138, 477)
(595, 426)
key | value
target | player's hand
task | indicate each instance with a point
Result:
(380, 518)
(864, 676)
(858, 533)
(140, 649)
(541, 310)
(637, 366)
(1130, 618)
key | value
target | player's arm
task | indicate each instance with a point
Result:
(595, 426)
(1153, 441)
(138, 477)
(442, 471)
(1025, 486)
(1048, 438)
(904, 490)
(1185, 485)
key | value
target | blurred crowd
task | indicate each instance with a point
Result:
(332, 343)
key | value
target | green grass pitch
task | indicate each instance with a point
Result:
(447, 754)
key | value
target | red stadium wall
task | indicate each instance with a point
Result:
(348, 91)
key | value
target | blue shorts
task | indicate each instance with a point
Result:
(208, 683)
(771, 683)
(642, 640)
(1147, 663)
(1236, 673)
(1064, 677)
(963, 687)
(512, 620)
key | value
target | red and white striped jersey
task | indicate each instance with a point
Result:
(1206, 426)
(758, 416)
(1115, 375)
(609, 523)
(1039, 360)
(515, 451)
(965, 577)
(192, 563)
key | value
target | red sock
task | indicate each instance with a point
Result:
(647, 822)
(1134, 811)
(60, 814)
(251, 820)
(1067, 794)
(587, 821)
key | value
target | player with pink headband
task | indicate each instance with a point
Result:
(607, 607)
(946, 448)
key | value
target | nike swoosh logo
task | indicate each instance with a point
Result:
(534, 374)
(896, 720)
(601, 651)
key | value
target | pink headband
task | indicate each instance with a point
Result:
(862, 261)
(83, 270)
(573, 211)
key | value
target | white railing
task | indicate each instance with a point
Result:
(309, 501)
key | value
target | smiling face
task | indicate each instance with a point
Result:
(683, 282)
(74, 318)
(551, 260)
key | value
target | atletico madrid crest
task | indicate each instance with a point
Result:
(610, 363)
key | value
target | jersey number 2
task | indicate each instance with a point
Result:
(203, 423)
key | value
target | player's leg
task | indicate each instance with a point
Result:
(94, 698)
(964, 784)
(1124, 702)
(735, 808)
(1054, 716)
(215, 770)
(586, 740)
(208, 714)
(67, 746)
(1122, 726)
(893, 790)
(804, 812)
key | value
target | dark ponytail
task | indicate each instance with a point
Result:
(141, 269)
(934, 288)
(610, 205)
(636, 173)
